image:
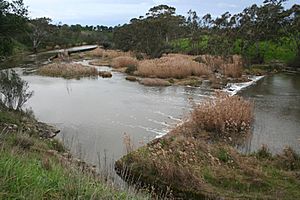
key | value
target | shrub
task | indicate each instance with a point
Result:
(13, 90)
(124, 61)
(224, 115)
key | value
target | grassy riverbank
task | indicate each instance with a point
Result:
(197, 159)
(35, 167)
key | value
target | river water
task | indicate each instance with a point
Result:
(277, 112)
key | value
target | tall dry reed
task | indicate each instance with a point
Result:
(224, 115)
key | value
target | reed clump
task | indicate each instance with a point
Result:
(124, 61)
(224, 115)
(172, 67)
(67, 70)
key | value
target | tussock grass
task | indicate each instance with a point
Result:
(67, 70)
(171, 67)
(224, 115)
(123, 61)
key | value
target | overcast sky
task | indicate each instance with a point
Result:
(114, 12)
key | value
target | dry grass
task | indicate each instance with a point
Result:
(123, 61)
(224, 115)
(172, 67)
(67, 70)
(154, 82)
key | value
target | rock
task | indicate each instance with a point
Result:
(105, 74)
(131, 78)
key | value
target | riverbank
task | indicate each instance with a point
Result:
(33, 165)
(201, 164)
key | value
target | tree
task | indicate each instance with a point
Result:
(13, 90)
(194, 29)
(150, 34)
(39, 29)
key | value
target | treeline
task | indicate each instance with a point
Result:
(18, 33)
(252, 33)
(259, 33)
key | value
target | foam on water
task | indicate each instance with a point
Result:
(234, 88)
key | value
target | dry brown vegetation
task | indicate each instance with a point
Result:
(171, 67)
(224, 115)
(67, 70)
(154, 82)
(123, 61)
(231, 66)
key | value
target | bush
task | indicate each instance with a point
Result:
(13, 90)
(224, 115)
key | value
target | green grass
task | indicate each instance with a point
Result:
(28, 172)
(24, 177)
(7, 117)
